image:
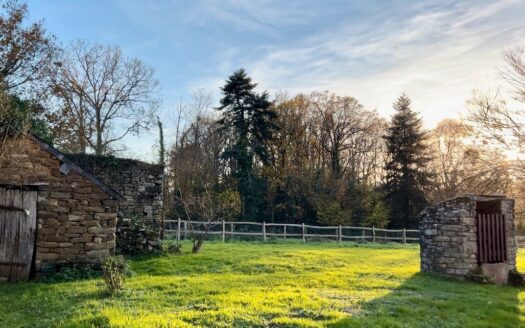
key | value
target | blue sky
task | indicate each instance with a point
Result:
(435, 51)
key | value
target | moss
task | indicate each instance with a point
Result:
(111, 164)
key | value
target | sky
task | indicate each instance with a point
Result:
(435, 51)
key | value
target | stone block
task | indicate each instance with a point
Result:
(499, 272)
(430, 232)
(95, 229)
(49, 244)
(47, 256)
(60, 195)
(81, 240)
(72, 217)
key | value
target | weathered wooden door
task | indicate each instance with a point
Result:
(17, 233)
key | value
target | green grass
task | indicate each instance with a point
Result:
(270, 285)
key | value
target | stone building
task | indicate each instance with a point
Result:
(469, 235)
(140, 213)
(51, 211)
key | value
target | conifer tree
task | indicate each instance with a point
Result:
(249, 123)
(406, 175)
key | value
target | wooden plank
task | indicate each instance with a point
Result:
(484, 238)
(493, 237)
(5, 238)
(7, 234)
(488, 238)
(27, 233)
(478, 238)
(504, 241)
(17, 233)
(499, 254)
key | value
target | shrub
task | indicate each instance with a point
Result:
(172, 247)
(114, 270)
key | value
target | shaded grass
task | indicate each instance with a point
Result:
(270, 285)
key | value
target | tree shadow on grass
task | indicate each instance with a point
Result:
(431, 301)
(47, 304)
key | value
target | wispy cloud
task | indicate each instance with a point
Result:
(437, 57)
(436, 51)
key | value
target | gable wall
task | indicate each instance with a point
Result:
(76, 220)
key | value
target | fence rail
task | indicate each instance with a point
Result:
(182, 229)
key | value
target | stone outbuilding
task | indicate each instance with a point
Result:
(470, 235)
(51, 211)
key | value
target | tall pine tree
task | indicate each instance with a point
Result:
(249, 123)
(406, 175)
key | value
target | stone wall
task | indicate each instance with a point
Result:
(448, 235)
(139, 226)
(76, 220)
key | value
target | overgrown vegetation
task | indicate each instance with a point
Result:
(72, 272)
(270, 285)
(115, 269)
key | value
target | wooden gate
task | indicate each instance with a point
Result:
(17, 233)
(492, 238)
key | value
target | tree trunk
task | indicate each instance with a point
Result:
(98, 147)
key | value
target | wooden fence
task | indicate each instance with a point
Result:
(264, 231)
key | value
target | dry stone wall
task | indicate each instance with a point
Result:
(139, 225)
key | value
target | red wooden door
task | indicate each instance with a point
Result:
(492, 238)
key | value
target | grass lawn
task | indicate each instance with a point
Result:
(270, 285)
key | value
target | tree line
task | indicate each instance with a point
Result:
(317, 158)
(322, 158)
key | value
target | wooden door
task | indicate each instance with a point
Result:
(492, 238)
(17, 233)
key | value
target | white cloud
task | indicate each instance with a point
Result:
(435, 51)
(437, 58)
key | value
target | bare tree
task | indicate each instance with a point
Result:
(490, 112)
(103, 96)
(204, 210)
(501, 121)
(463, 165)
(342, 128)
(26, 50)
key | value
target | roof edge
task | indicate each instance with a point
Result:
(63, 158)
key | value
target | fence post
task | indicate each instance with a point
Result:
(304, 234)
(340, 234)
(404, 236)
(185, 230)
(264, 231)
(373, 235)
(178, 230)
(364, 235)
(223, 231)
(231, 230)
(284, 232)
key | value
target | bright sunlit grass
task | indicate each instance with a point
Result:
(270, 285)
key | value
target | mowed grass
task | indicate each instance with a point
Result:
(270, 285)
